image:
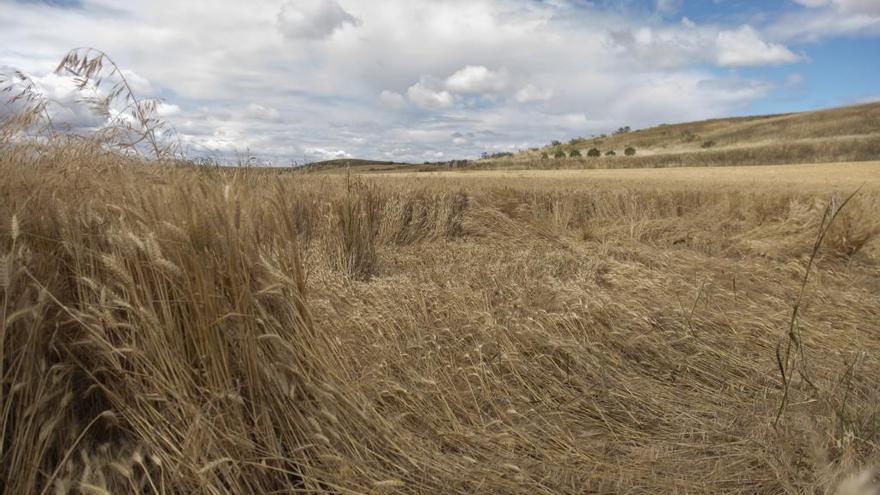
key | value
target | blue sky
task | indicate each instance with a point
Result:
(415, 80)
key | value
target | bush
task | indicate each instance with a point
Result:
(545, 156)
(629, 151)
(501, 154)
(559, 154)
(622, 130)
(576, 154)
(594, 152)
(708, 144)
(555, 142)
(610, 153)
(689, 136)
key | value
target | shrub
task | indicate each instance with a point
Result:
(559, 154)
(708, 144)
(575, 154)
(622, 130)
(594, 152)
(610, 153)
(555, 142)
(501, 154)
(689, 136)
(629, 151)
(545, 156)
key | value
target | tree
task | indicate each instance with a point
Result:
(622, 130)
(575, 154)
(594, 152)
(556, 142)
(559, 154)
(545, 156)
(629, 151)
(610, 153)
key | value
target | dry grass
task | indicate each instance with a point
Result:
(842, 134)
(184, 330)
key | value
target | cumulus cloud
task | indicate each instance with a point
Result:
(744, 46)
(259, 112)
(685, 45)
(400, 78)
(477, 79)
(165, 110)
(867, 7)
(531, 93)
(326, 154)
(828, 18)
(312, 19)
(425, 95)
(392, 100)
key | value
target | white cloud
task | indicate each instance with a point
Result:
(166, 110)
(425, 95)
(482, 75)
(259, 112)
(531, 93)
(828, 18)
(477, 79)
(867, 7)
(312, 19)
(392, 100)
(326, 154)
(688, 44)
(744, 46)
(669, 6)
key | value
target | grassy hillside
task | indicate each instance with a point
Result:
(214, 331)
(834, 135)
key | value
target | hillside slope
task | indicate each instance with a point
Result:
(840, 134)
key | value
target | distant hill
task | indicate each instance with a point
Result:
(835, 135)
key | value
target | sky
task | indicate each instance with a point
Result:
(432, 80)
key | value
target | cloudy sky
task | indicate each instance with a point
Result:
(432, 80)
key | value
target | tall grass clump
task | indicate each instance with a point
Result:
(156, 336)
(355, 237)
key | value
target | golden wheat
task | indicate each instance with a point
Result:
(169, 329)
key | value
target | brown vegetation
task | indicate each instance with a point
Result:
(187, 330)
(834, 135)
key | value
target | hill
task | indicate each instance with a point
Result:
(834, 135)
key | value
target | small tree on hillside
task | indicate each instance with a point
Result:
(594, 152)
(575, 154)
(559, 154)
(629, 151)
(610, 153)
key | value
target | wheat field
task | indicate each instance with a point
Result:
(175, 329)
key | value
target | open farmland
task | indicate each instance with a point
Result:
(192, 330)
